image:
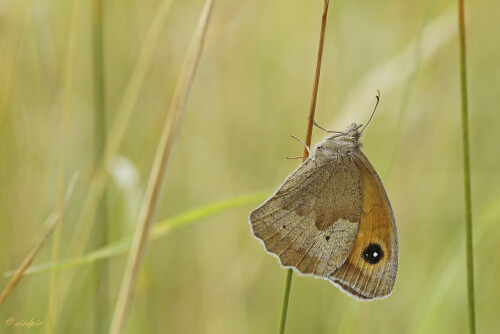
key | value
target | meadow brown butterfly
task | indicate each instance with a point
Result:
(332, 219)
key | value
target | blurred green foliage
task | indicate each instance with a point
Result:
(252, 89)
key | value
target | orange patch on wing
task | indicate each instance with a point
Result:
(357, 275)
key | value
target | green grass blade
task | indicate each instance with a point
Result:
(100, 227)
(159, 230)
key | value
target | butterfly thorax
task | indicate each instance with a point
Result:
(339, 145)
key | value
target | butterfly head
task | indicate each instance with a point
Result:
(353, 131)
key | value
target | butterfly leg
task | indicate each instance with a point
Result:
(307, 147)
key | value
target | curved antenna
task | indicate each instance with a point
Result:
(373, 112)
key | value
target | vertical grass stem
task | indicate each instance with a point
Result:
(170, 129)
(312, 110)
(100, 231)
(466, 166)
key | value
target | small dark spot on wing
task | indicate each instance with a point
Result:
(373, 253)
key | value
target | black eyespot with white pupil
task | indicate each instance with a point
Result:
(373, 253)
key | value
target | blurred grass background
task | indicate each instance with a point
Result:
(252, 89)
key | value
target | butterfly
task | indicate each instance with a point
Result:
(332, 219)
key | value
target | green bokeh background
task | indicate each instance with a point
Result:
(251, 90)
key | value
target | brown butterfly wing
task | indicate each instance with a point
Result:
(311, 222)
(370, 270)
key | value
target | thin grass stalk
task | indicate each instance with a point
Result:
(100, 228)
(466, 166)
(170, 130)
(307, 141)
(286, 298)
(159, 230)
(314, 95)
(9, 49)
(116, 131)
(118, 126)
(62, 160)
(53, 220)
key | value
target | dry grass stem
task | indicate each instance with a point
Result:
(314, 95)
(53, 220)
(118, 127)
(115, 134)
(312, 110)
(170, 130)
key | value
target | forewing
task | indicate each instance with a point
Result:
(312, 220)
(370, 270)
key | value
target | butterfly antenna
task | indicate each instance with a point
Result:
(373, 112)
